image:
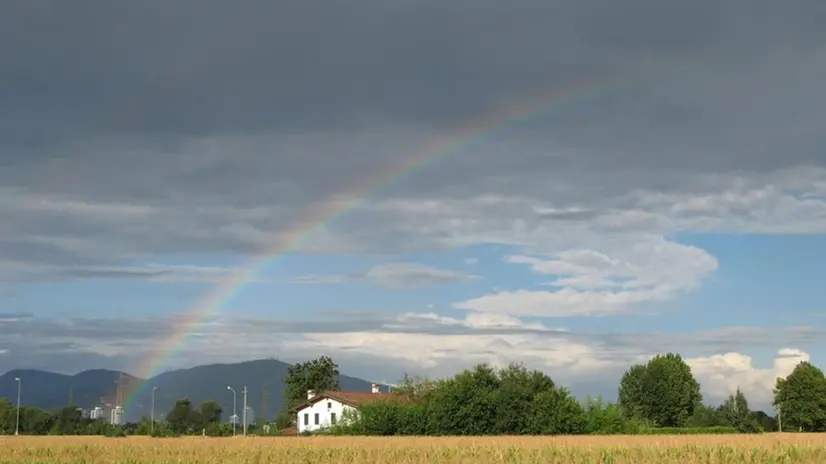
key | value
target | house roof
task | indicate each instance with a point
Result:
(350, 398)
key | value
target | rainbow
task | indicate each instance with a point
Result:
(471, 132)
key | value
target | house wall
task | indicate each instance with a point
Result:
(324, 408)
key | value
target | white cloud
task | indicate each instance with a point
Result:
(590, 282)
(722, 374)
(444, 354)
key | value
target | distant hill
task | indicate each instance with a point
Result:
(48, 390)
(51, 391)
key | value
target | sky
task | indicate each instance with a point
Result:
(415, 186)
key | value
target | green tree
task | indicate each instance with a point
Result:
(767, 422)
(319, 374)
(67, 421)
(602, 418)
(663, 392)
(183, 418)
(707, 416)
(466, 404)
(7, 416)
(413, 386)
(801, 399)
(736, 408)
(35, 421)
(556, 412)
(512, 397)
(631, 395)
(737, 414)
(211, 412)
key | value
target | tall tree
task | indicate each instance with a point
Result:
(320, 374)
(67, 421)
(183, 418)
(211, 412)
(630, 391)
(737, 413)
(801, 399)
(413, 386)
(664, 391)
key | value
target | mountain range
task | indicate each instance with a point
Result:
(264, 380)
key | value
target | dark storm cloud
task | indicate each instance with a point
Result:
(157, 71)
(194, 126)
(207, 67)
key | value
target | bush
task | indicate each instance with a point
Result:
(688, 431)
(115, 432)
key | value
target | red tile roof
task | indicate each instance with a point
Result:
(355, 398)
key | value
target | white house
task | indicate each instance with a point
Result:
(327, 409)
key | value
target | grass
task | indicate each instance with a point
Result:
(730, 449)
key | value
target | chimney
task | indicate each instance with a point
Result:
(375, 388)
(310, 394)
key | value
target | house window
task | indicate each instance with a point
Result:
(306, 419)
(333, 418)
(316, 418)
(329, 404)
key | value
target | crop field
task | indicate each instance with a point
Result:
(766, 448)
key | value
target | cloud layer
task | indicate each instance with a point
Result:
(384, 348)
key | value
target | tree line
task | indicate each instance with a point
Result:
(183, 419)
(658, 397)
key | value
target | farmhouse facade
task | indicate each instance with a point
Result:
(327, 409)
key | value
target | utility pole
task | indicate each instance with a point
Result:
(71, 392)
(234, 414)
(780, 418)
(17, 422)
(152, 427)
(245, 410)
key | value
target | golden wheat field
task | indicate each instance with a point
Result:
(767, 448)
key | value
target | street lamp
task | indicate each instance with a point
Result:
(234, 415)
(152, 427)
(17, 423)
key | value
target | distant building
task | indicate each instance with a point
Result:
(117, 416)
(96, 413)
(250, 416)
